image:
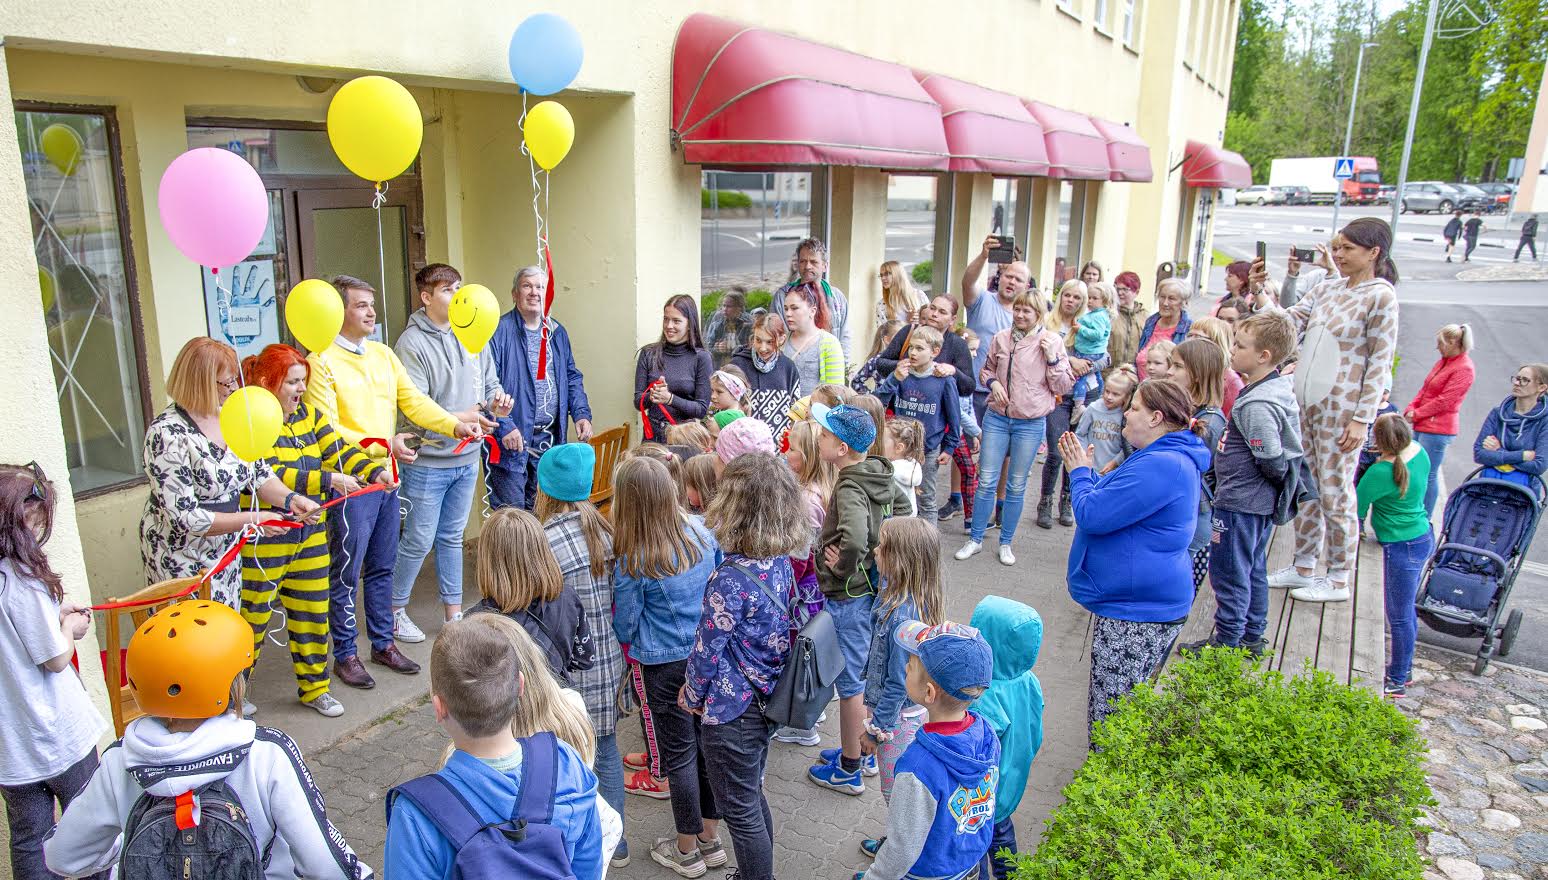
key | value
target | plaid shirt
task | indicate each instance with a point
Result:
(599, 684)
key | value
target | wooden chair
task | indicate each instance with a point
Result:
(125, 709)
(609, 446)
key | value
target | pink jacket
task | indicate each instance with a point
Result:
(1435, 408)
(1032, 383)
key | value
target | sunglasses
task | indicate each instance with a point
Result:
(38, 481)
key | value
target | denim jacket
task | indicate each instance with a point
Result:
(885, 692)
(658, 618)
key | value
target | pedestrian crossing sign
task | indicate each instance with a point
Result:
(1343, 169)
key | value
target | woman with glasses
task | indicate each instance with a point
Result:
(1128, 319)
(196, 481)
(1513, 443)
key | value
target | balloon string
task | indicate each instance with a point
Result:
(538, 225)
(381, 254)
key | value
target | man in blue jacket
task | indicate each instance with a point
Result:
(543, 408)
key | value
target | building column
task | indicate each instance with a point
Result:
(857, 246)
(972, 217)
(1043, 239)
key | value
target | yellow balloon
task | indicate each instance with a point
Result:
(314, 312)
(49, 288)
(474, 313)
(549, 133)
(375, 127)
(250, 420)
(62, 145)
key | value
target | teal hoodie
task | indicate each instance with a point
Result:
(1013, 705)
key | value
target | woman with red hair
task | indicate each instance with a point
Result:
(1128, 320)
(313, 460)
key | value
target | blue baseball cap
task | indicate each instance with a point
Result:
(850, 424)
(954, 654)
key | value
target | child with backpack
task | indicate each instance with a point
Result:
(1393, 491)
(49, 727)
(743, 644)
(464, 819)
(1196, 365)
(194, 789)
(663, 560)
(941, 817)
(1013, 709)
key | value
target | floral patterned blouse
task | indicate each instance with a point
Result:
(744, 636)
(191, 479)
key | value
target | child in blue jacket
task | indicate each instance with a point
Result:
(1013, 708)
(933, 400)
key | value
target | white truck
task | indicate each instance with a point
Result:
(1316, 174)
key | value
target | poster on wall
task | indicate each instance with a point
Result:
(239, 306)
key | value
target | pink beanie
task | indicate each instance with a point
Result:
(741, 437)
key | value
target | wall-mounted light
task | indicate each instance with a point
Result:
(316, 85)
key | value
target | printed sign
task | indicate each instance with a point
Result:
(1343, 169)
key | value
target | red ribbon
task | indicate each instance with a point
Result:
(185, 811)
(494, 447)
(230, 556)
(645, 418)
(368, 442)
(548, 304)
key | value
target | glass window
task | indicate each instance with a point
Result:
(911, 226)
(1099, 13)
(1130, 20)
(1068, 234)
(750, 224)
(72, 174)
(298, 151)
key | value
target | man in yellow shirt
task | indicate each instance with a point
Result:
(360, 385)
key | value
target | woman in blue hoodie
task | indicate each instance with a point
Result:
(1513, 442)
(1129, 565)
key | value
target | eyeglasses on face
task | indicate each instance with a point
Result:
(1521, 380)
(229, 384)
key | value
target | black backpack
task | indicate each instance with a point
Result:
(161, 841)
(806, 684)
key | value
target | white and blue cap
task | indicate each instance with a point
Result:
(954, 654)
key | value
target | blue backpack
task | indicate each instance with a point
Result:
(525, 845)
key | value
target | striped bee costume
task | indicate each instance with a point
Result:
(294, 566)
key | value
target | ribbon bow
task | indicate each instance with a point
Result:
(494, 446)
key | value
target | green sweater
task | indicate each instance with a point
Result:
(1396, 517)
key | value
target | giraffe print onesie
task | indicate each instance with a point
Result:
(1348, 340)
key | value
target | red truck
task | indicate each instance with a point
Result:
(1316, 174)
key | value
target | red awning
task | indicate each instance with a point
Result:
(1076, 150)
(1126, 153)
(746, 96)
(1206, 165)
(986, 130)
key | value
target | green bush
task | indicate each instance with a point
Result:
(1232, 772)
(756, 299)
(728, 198)
(922, 273)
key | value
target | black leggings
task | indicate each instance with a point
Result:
(1053, 463)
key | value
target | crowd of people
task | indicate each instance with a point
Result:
(786, 497)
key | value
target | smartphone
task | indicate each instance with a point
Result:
(1004, 251)
(1263, 252)
(1306, 255)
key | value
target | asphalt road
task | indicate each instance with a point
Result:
(743, 246)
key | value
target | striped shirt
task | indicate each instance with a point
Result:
(820, 363)
(309, 451)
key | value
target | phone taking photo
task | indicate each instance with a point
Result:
(1004, 250)
(1306, 255)
(1263, 252)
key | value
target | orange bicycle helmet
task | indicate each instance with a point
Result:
(181, 661)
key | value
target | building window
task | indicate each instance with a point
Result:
(71, 166)
(1067, 6)
(1130, 20)
(1099, 14)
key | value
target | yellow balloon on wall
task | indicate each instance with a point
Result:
(63, 147)
(473, 314)
(549, 132)
(375, 127)
(250, 420)
(49, 288)
(314, 312)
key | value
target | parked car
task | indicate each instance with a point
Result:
(1430, 195)
(1384, 194)
(1259, 195)
(1503, 193)
(1294, 195)
(1473, 198)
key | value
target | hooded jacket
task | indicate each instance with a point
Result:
(1032, 384)
(439, 366)
(263, 767)
(941, 819)
(1262, 437)
(863, 496)
(908, 474)
(1517, 433)
(1013, 705)
(1130, 558)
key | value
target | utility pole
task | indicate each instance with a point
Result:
(1413, 116)
(1354, 98)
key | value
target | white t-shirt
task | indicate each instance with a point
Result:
(47, 723)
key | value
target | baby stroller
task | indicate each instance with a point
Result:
(1488, 526)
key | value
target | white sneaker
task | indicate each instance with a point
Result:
(1006, 556)
(248, 709)
(326, 706)
(797, 736)
(969, 549)
(1289, 577)
(403, 629)
(1323, 590)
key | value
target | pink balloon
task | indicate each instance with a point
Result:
(214, 206)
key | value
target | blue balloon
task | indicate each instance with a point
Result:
(545, 54)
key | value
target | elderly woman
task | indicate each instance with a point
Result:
(1129, 565)
(196, 482)
(1513, 442)
(1170, 321)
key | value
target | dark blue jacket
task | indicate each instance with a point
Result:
(1130, 557)
(932, 400)
(1517, 433)
(1184, 321)
(509, 349)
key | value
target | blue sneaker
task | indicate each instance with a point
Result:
(871, 846)
(867, 762)
(831, 775)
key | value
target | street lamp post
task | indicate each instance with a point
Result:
(1354, 98)
(1413, 115)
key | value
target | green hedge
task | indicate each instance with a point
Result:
(1232, 772)
(923, 272)
(728, 198)
(756, 299)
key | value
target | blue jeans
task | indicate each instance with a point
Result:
(610, 776)
(736, 753)
(438, 501)
(1004, 838)
(513, 483)
(30, 810)
(1434, 446)
(1402, 564)
(852, 625)
(1237, 571)
(363, 543)
(1020, 437)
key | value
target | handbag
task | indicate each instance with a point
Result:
(806, 684)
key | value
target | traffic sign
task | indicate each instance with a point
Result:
(1343, 168)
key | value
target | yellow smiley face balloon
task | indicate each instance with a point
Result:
(474, 313)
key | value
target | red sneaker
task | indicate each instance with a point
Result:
(636, 760)
(642, 783)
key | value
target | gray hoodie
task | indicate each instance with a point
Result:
(1261, 438)
(441, 368)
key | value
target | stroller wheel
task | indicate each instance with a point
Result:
(1480, 665)
(1508, 635)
